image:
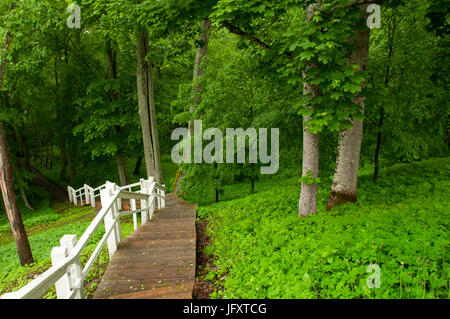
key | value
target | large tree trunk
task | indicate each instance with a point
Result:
(345, 179)
(6, 182)
(147, 110)
(10, 202)
(308, 194)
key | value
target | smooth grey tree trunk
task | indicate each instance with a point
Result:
(147, 110)
(308, 194)
(344, 187)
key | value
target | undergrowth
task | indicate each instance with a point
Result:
(264, 250)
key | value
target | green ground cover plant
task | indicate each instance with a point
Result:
(263, 250)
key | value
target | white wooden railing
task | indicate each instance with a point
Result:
(86, 192)
(67, 273)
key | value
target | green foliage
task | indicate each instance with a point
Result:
(401, 224)
(59, 97)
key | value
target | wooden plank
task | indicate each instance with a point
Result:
(158, 259)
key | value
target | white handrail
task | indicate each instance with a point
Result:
(89, 194)
(66, 272)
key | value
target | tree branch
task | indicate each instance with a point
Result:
(235, 30)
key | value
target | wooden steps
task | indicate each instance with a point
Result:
(158, 260)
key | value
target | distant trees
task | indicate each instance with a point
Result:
(88, 101)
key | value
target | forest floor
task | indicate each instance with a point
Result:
(256, 246)
(253, 245)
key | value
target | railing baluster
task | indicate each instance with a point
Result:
(117, 206)
(133, 207)
(86, 194)
(105, 195)
(74, 270)
(58, 255)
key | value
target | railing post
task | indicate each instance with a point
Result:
(70, 193)
(70, 281)
(62, 285)
(105, 195)
(92, 193)
(74, 270)
(75, 200)
(86, 194)
(144, 203)
(163, 200)
(144, 214)
(158, 192)
(133, 207)
(117, 206)
(151, 199)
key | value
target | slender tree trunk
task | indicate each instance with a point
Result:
(70, 163)
(391, 33)
(137, 168)
(345, 180)
(63, 172)
(121, 169)
(41, 152)
(147, 110)
(308, 194)
(154, 127)
(112, 74)
(47, 155)
(20, 153)
(51, 152)
(6, 182)
(25, 198)
(378, 146)
(202, 51)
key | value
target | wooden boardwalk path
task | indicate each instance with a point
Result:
(157, 261)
